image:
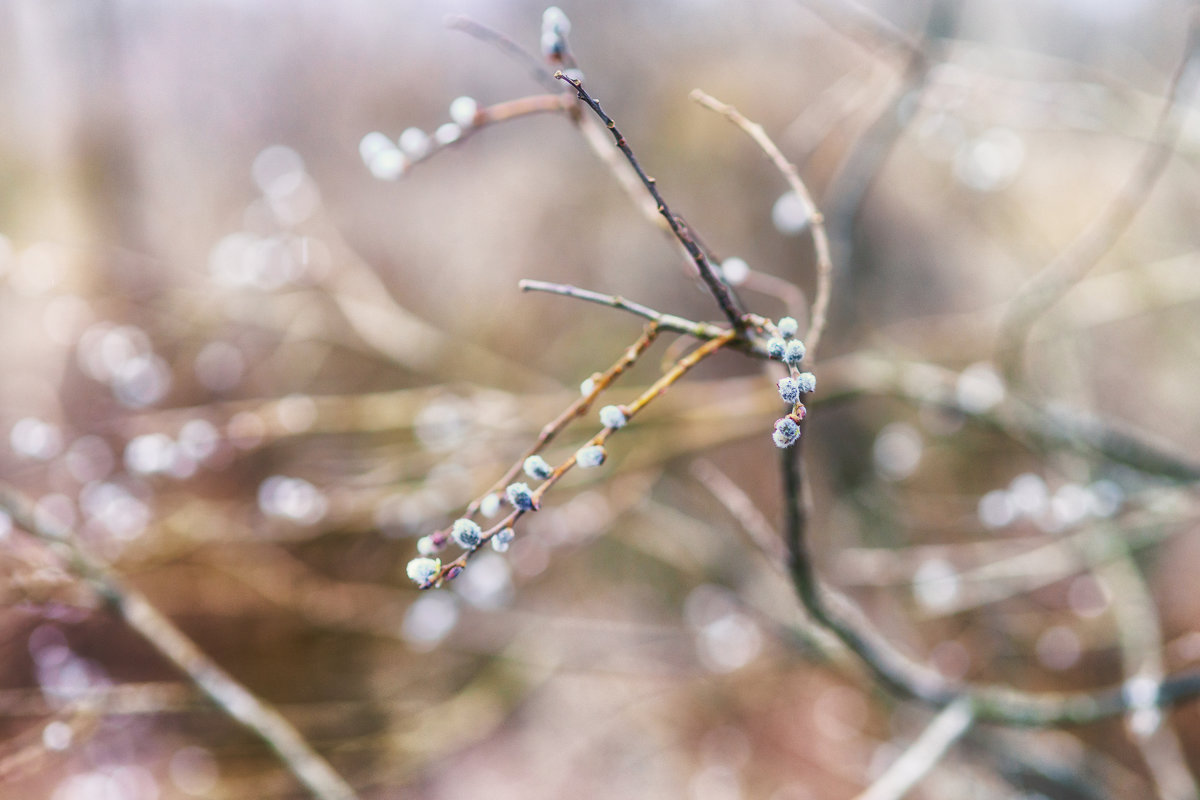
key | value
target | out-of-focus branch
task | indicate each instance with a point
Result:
(1067, 268)
(1139, 635)
(923, 754)
(141, 615)
(820, 306)
(907, 678)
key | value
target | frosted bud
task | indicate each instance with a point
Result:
(735, 271)
(490, 505)
(501, 539)
(414, 142)
(787, 327)
(372, 145)
(789, 390)
(423, 570)
(537, 468)
(612, 417)
(786, 432)
(447, 133)
(776, 349)
(555, 27)
(466, 533)
(794, 352)
(463, 111)
(806, 383)
(591, 456)
(389, 164)
(554, 19)
(520, 496)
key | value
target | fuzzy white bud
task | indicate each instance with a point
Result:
(466, 533)
(591, 456)
(423, 570)
(613, 417)
(463, 111)
(537, 468)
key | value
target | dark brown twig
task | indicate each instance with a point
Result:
(721, 291)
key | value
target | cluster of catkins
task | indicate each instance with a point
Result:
(468, 534)
(787, 348)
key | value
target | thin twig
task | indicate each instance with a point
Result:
(946, 729)
(721, 291)
(820, 306)
(1140, 637)
(140, 614)
(666, 322)
(504, 44)
(656, 390)
(740, 506)
(504, 111)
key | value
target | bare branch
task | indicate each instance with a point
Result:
(721, 291)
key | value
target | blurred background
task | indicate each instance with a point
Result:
(249, 370)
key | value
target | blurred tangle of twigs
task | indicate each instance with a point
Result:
(263, 329)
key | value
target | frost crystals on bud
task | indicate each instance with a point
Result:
(587, 387)
(787, 327)
(428, 546)
(466, 533)
(786, 432)
(501, 539)
(591, 456)
(806, 382)
(776, 348)
(423, 570)
(537, 468)
(520, 496)
(794, 353)
(463, 111)
(789, 390)
(612, 417)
